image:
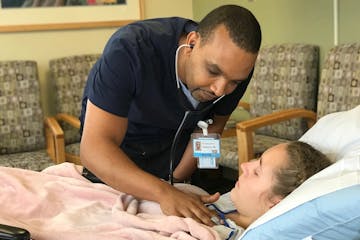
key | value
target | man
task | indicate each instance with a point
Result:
(150, 73)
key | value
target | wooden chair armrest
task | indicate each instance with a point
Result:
(245, 129)
(231, 132)
(73, 121)
(55, 144)
(277, 117)
(54, 127)
(244, 105)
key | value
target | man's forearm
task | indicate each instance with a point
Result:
(187, 165)
(112, 166)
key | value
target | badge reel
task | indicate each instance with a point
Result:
(206, 147)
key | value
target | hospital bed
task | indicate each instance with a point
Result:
(58, 203)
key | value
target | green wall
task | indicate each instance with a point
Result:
(303, 21)
(349, 18)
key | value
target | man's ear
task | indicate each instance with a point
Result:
(192, 38)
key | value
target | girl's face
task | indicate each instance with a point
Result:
(252, 194)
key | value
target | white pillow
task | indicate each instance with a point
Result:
(336, 133)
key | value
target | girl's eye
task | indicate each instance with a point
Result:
(256, 172)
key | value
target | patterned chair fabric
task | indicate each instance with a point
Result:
(69, 75)
(73, 148)
(229, 156)
(339, 87)
(285, 76)
(21, 116)
(34, 160)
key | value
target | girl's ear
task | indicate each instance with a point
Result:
(274, 200)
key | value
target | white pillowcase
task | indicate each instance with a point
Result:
(335, 134)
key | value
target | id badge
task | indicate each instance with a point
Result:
(206, 149)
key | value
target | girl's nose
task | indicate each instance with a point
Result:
(244, 168)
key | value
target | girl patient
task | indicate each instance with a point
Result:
(265, 181)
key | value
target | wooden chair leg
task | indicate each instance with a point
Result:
(245, 142)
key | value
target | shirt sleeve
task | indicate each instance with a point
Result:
(113, 83)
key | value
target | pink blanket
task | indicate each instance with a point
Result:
(59, 203)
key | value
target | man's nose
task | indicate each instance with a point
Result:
(219, 87)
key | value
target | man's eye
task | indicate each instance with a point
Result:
(211, 72)
(235, 83)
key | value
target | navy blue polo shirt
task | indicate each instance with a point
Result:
(135, 78)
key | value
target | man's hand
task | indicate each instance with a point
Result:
(181, 204)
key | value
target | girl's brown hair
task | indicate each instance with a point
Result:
(303, 162)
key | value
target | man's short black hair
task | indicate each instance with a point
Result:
(243, 27)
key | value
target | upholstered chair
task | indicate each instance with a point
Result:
(22, 133)
(339, 88)
(285, 77)
(69, 75)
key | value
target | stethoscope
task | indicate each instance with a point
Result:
(187, 114)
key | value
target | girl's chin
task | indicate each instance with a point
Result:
(232, 192)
